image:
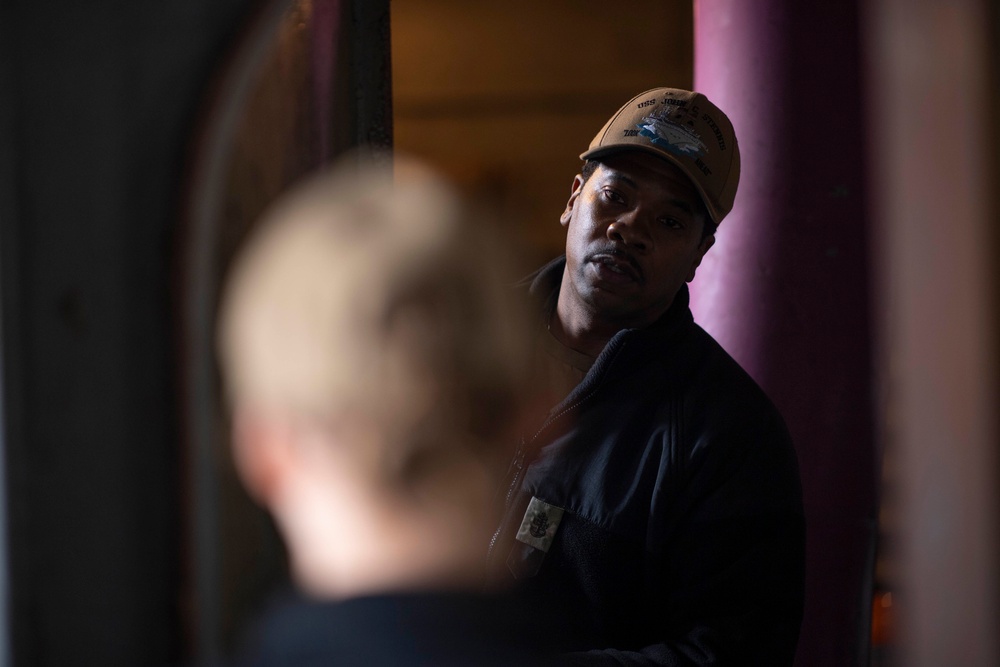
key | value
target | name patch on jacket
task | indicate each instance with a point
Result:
(539, 525)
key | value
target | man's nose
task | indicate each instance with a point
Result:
(629, 229)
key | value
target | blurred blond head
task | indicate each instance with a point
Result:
(379, 295)
(375, 361)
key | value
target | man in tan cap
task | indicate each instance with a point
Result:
(374, 361)
(656, 512)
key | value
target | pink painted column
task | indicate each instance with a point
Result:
(786, 289)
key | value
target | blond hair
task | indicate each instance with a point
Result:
(377, 294)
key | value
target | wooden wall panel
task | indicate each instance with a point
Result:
(505, 96)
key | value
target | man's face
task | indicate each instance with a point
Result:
(634, 236)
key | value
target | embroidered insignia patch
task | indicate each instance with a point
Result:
(540, 523)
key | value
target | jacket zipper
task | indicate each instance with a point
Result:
(517, 465)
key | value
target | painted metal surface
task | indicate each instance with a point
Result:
(786, 289)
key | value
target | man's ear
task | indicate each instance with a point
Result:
(574, 193)
(706, 244)
(261, 453)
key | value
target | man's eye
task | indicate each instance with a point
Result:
(672, 223)
(613, 196)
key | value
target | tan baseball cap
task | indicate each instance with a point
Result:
(688, 130)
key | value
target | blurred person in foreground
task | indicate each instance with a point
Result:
(375, 367)
(657, 509)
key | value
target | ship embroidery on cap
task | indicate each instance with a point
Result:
(668, 133)
(540, 523)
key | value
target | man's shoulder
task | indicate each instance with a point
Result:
(720, 370)
(710, 384)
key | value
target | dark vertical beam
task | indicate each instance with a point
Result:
(371, 71)
(97, 102)
(9, 404)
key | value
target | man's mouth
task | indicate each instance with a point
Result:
(618, 263)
